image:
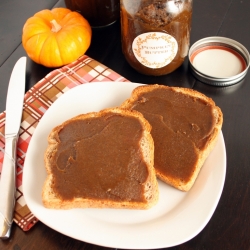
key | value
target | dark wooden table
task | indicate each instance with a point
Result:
(229, 227)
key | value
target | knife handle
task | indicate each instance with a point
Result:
(8, 186)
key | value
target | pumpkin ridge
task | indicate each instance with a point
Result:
(37, 34)
(60, 51)
(44, 49)
(41, 52)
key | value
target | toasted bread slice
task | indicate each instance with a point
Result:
(185, 127)
(101, 159)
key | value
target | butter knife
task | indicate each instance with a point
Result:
(14, 108)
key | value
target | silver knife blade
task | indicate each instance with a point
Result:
(14, 109)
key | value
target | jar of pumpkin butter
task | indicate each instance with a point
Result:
(155, 34)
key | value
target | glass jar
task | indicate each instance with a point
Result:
(155, 34)
(99, 13)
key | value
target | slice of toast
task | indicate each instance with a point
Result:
(101, 159)
(185, 127)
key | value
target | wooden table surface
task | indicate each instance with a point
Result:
(229, 227)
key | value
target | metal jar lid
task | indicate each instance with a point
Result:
(219, 61)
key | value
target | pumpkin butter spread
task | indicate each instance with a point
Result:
(99, 157)
(183, 127)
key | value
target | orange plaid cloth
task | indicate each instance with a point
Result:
(36, 101)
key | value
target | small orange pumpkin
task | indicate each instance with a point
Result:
(56, 37)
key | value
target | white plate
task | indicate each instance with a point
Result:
(177, 217)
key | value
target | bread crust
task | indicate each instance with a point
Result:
(211, 140)
(151, 193)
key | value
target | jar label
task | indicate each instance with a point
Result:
(155, 49)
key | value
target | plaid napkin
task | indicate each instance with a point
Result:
(36, 101)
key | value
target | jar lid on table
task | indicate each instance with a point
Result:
(219, 61)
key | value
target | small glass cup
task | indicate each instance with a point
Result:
(99, 13)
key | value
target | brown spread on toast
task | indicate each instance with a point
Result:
(179, 125)
(185, 125)
(99, 158)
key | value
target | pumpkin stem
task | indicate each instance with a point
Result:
(55, 26)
